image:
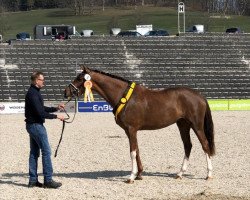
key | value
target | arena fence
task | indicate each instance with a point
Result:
(218, 65)
(102, 106)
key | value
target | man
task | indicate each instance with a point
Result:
(35, 114)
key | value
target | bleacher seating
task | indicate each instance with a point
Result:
(218, 65)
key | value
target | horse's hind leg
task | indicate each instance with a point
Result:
(184, 128)
(204, 143)
(209, 167)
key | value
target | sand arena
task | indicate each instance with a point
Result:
(94, 161)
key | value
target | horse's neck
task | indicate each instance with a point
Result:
(109, 88)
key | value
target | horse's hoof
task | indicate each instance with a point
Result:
(129, 181)
(138, 178)
(178, 177)
(209, 178)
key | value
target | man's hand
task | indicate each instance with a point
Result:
(61, 117)
(61, 106)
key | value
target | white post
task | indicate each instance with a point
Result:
(181, 10)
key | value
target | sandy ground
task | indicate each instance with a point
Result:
(94, 161)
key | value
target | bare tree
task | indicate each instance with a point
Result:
(14, 5)
(103, 5)
(3, 21)
(227, 6)
(78, 7)
(242, 6)
(247, 11)
(82, 7)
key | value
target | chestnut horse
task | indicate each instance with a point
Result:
(138, 108)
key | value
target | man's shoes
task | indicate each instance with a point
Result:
(35, 184)
(52, 184)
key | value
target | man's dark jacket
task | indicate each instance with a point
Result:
(35, 111)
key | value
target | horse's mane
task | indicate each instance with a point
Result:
(111, 75)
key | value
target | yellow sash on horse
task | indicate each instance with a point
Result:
(125, 99)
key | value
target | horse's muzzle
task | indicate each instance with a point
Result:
(67, 93)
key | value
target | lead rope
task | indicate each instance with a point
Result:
(64, 122)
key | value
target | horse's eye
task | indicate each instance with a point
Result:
(79, 77)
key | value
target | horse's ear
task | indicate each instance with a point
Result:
(85, 69)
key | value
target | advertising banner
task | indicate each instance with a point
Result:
(243, 104)
(9, 108)
(69, 107)
(103, 106)
(218, 104)
(98, 106)
(229, 104)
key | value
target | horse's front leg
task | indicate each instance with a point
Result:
(139, 165)
(135, 157)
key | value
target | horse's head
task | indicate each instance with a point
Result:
(76, 87)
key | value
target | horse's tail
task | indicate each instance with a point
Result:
(209, 130)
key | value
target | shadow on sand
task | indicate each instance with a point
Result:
(6, 178)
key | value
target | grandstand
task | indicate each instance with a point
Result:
(218, 65)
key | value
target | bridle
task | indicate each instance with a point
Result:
(74, 94)
(75, 91)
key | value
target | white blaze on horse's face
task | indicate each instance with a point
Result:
(77, 84)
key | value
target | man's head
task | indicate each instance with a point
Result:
(37, 79)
